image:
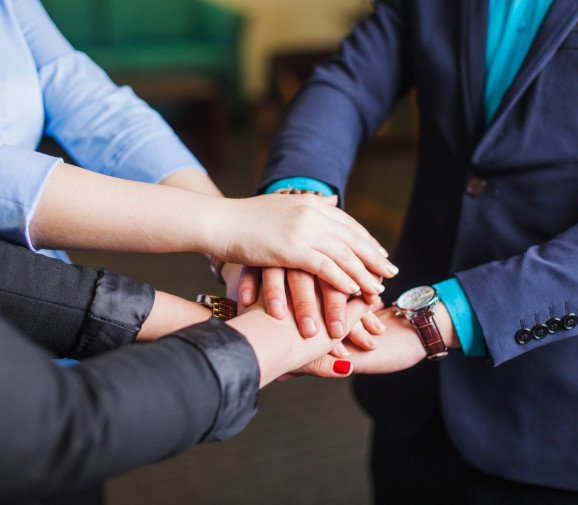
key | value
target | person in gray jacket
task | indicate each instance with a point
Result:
(66, 429)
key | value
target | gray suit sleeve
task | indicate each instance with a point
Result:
(72, 310)
(66, 428)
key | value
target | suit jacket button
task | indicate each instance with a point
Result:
(523, 336)
(475, 186)
(569, 321)
(554, 324)
(539, 331)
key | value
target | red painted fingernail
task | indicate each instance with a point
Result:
(342, 367)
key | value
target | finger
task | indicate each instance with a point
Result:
(274, 292)
(325, 268)
(351, 223)
(335, 307)
(362, 338)
(372, 323)
(346, 258)
(376, 307)
(248, 291)
(329, 367)
(340, 351)
(304, 300)
(356, 309)
(371, 256)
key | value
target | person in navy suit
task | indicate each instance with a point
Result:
(488, 256)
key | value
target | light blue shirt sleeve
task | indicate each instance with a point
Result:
(463, 316)
(303, 183)
(104, 127)
(24, 174)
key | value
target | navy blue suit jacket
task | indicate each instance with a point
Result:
(514, 246)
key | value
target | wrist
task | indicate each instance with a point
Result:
(271, 352)
(169, 314)
(446, 326)
(210, 225)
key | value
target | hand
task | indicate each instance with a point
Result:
(279, 347)
(301, 232)
(399, 347)
(302, 288)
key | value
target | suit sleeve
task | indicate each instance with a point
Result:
(71, 310)
(64, 429)
(344, 102)
(523, 292)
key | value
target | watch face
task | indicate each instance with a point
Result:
(416, 298)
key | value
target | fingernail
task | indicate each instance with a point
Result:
(308, 325)
(392, 269)
(353, 287)
(383, 251)
(336, 329)
(276, 307)
(380, 288)
(379, 325)
(342, 367)
(371, 342)
(341, 349)
(246, 297)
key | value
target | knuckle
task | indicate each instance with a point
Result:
(304, 305)
(271, 292)
(345, 255)
(298, 277)
(326, 266)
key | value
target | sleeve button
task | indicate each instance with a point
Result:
(569, 321)
(554, 324)
(523, 336)
(539, 331)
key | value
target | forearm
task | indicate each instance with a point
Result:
(79, 209)
(193, 180)
(124, 409)
(169, 314)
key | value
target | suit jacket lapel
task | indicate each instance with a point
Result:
(558, 23)
(474, 30)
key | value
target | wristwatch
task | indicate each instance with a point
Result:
(222, 308)
(417, 305)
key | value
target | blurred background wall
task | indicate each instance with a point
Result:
(222, 73)
(290, 25)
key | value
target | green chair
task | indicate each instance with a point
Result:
(143, 36)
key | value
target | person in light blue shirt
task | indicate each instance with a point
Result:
(49, 88)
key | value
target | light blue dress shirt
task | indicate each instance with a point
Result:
(512, 27)
(46, 87)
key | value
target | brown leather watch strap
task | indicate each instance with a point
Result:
(430, 335)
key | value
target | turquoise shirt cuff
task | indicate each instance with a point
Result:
(465, 320)
(303, 183)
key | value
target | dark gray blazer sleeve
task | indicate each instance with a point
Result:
(72, 310)
(66, 428)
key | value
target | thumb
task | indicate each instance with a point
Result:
(327, 366)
